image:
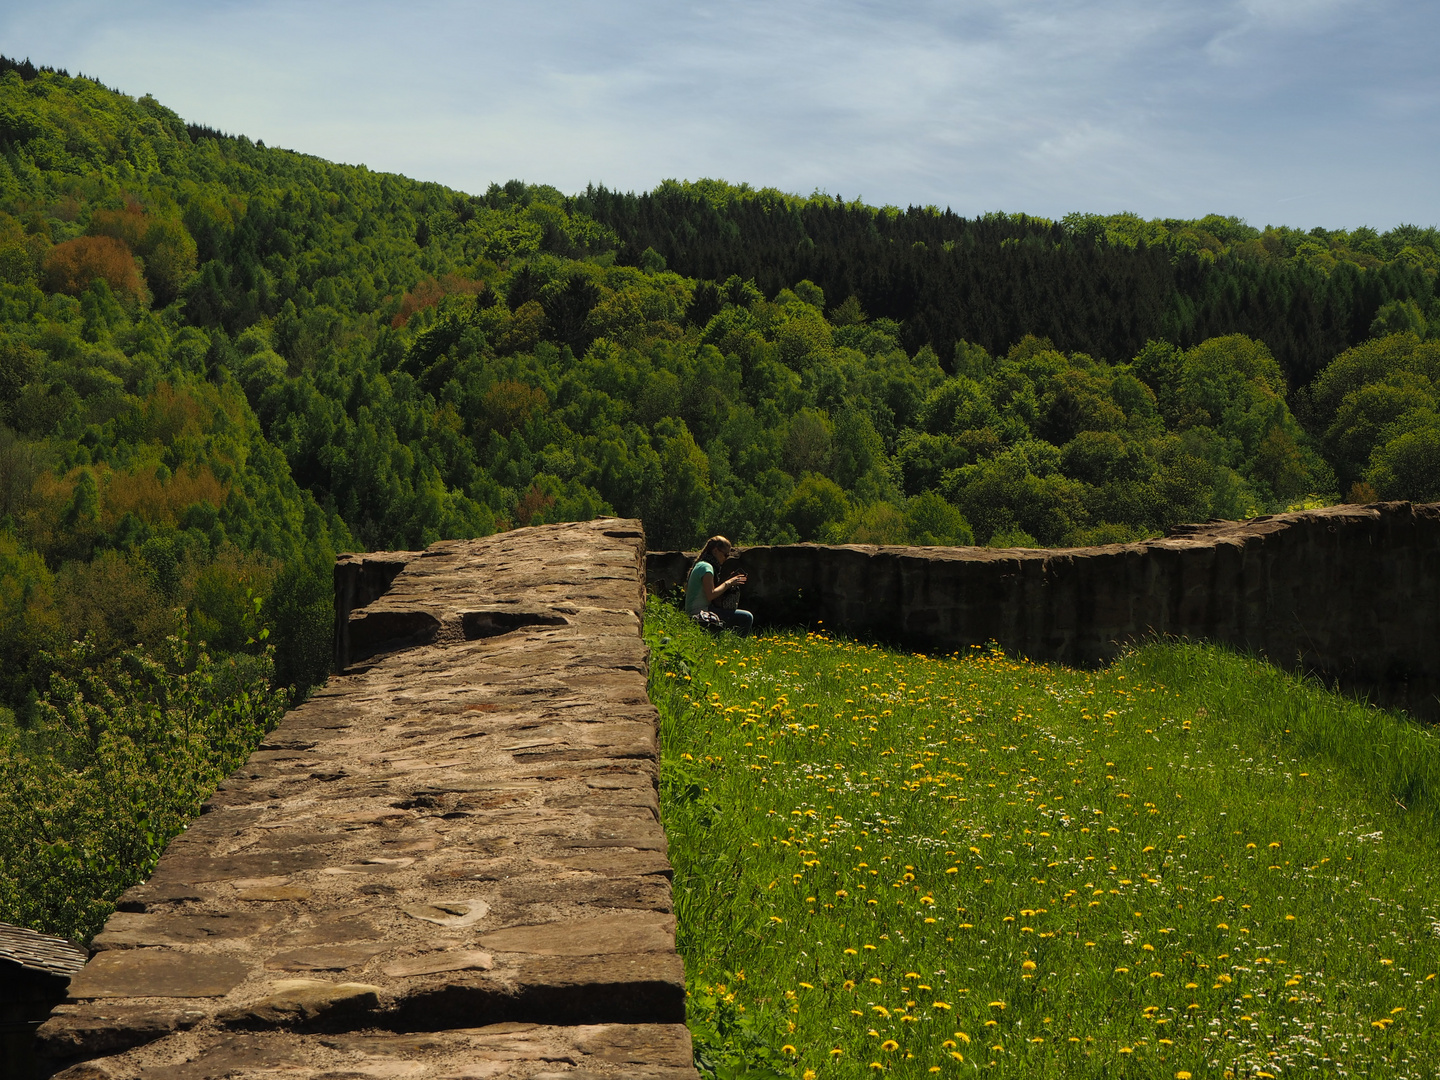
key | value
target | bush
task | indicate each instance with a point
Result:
(117, 760)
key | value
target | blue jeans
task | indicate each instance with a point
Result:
(738, 620)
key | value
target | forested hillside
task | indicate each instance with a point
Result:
(220, 363)
(1100, 285)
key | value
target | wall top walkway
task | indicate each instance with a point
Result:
(446, 865)
(1351, 593)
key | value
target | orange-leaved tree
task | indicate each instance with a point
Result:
(72, 266)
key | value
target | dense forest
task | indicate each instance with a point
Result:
(220, 363)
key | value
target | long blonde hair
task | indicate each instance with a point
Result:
(707, 553)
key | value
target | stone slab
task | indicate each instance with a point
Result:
(607, 934)
(326, 957)
(438, 963)
(618, 863)
(130, 930)
(297, 1002)
(99, 1027)
(502, 1051)
(152, 973)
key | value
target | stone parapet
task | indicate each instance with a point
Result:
(448, 863)
(1349, 593)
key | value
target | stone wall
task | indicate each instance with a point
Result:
(1351, 593)
(446, 865)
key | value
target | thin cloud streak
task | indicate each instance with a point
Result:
(1168, 109)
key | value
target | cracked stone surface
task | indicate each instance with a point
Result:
(448, 863)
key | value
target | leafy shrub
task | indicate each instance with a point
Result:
(118, 758)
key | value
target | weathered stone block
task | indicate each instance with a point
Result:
(150, 973)
(303, 1002)
(105, 1027)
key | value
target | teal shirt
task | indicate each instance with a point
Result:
(694, 592)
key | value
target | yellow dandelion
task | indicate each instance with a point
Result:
(890, 1044)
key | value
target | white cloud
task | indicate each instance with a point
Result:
(1264, 108)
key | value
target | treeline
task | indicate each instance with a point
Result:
(1099, 285)
(221, 363)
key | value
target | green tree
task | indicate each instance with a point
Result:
(930, 521)
(679, 503)
(300, 614)
(816, 508)
(1408, 466)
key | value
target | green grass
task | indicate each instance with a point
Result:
(1188, 862)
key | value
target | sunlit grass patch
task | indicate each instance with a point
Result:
(1188, 862)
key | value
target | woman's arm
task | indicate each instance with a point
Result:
(710, 590)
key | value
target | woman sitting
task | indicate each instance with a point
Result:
(701, 592)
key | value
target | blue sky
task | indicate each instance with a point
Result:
(1299, 112)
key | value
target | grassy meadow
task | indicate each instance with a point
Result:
(1185, 865)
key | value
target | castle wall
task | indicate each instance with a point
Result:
(1349, 593)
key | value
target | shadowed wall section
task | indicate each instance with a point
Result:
(1350, 593)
